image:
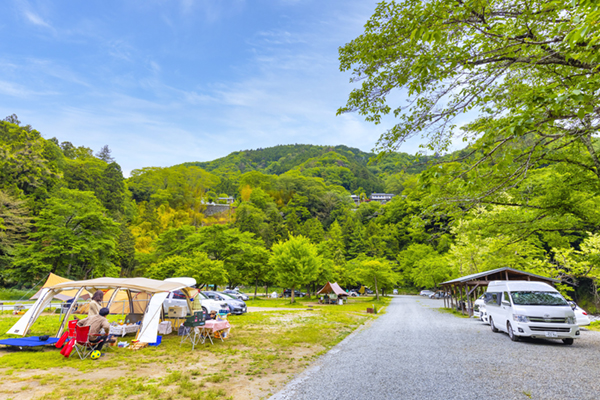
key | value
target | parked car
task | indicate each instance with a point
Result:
(426, 293)
(532, 309)
(479, 307)
(395, 291)
(177, 298)
(437, 295)
(297, 293)
(236, 306)
(580, 314)
(353, 293)
(236, 293)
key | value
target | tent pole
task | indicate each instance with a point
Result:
(131, 311)
(68, 313)
(110, 301)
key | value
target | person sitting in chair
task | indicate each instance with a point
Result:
(96, 324)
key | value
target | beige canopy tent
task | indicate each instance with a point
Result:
(54, 279)
(157, 290)
(121, 303)
(332, 288)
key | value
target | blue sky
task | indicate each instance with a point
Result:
(165, 82)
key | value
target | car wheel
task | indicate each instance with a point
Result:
(204, 310)
(494, 329)
(568, 341)
(511, 333)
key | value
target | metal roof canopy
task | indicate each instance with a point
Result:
(460, 292)
(499, 274)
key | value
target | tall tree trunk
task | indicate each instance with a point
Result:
(376, 291)
(293, 290)
(255, 287)
(69, 267)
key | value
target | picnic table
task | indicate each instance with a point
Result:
(122, 330)
(207, 331)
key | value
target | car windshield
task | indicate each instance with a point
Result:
(202, 296)
(538, 299)
(228, 296)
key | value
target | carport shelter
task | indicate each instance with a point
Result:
(472, 286)
(156, 292)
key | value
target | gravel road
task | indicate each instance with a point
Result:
(415, 351)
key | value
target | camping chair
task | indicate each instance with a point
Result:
(72, 326)
(83, 346)
(190, 330)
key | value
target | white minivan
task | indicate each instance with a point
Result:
(533, 309)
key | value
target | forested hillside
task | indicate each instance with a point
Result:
(68, 210)
(340, 165)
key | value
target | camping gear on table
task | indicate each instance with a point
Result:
(219, 329)
(177, 312)
(122, 330)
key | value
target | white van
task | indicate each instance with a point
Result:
(533, 309)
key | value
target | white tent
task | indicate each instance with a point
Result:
(157, 289)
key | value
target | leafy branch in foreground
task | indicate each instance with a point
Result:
(529, 69)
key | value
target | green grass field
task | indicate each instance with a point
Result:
(264, 351)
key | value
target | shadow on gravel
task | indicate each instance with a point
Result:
(537, 342)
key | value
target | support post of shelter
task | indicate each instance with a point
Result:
(462, 300)
(130, 302)
(114, 294)
(69, 311)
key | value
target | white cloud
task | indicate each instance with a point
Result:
(36, 19)
(20, 91)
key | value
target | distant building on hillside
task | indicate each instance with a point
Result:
(381, 197)
(356, 199)
(227, 200)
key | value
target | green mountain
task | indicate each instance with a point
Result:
(340, 165)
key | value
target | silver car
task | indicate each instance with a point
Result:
(177, 298)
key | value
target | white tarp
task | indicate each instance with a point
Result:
(25, 322)
(149, 329)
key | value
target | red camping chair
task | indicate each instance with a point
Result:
(72, 325)
(67, 336)
(83, 346)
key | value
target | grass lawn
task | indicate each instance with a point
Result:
(264, 351)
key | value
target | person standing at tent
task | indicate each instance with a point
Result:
(96, 324)
(96, 303)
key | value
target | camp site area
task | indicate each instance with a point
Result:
(252, 358)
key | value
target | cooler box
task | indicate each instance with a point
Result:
(177, 312)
